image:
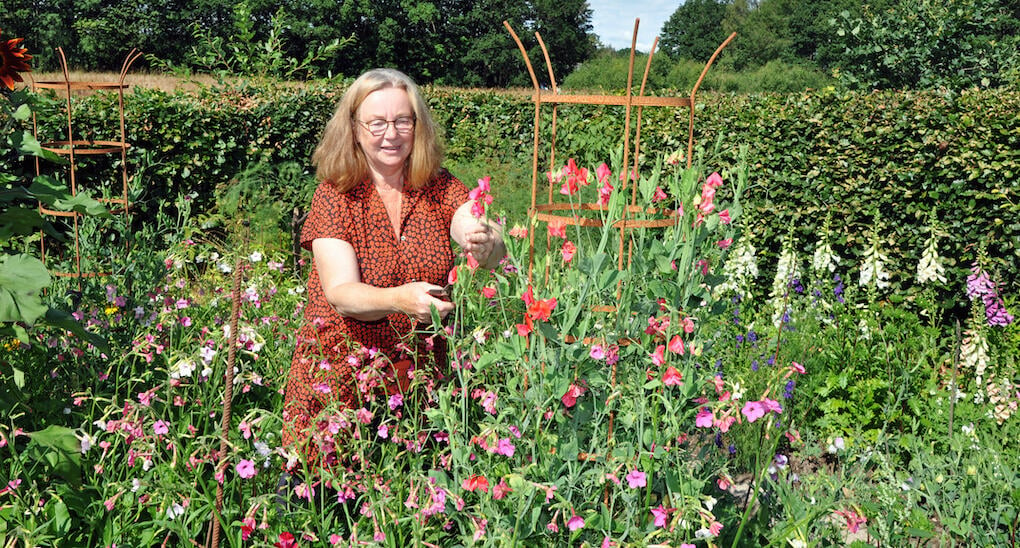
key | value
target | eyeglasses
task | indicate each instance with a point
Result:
(378, 127)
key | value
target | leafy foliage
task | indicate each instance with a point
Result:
(926, 44)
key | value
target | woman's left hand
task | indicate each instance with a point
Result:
(482, 240)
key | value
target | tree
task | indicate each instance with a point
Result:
(44, 24)
(694, 30)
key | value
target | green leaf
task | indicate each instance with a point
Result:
(49, 191)
(22, 278)
(19, 221)
(63, 320)
(59, 450)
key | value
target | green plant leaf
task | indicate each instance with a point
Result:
(22, 278)
(59, 450)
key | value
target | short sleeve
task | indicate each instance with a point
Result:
(329, 216)
(454, 193)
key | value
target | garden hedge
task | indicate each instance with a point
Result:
(813, 154)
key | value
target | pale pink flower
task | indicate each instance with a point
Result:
(161, 428)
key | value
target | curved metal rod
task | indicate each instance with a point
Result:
(534, 147)
(555, 90)
(694, 91)
(548, 62)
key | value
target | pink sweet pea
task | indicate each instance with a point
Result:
(480, 197)
(658, 357)
(676, 345)
(568, 251)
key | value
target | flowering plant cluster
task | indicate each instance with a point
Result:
(658, 404)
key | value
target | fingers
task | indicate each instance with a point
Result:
(424, 296)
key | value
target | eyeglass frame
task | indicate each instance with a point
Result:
(413, 118)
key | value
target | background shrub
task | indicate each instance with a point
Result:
(813, 154)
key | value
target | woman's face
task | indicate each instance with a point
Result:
(386, 153)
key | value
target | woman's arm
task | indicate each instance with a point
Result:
(340, 275)
(482, 239)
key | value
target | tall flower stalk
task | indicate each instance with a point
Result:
(873, 268)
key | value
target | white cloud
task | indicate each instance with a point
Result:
(613, 21)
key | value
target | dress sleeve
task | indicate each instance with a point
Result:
(454, 193)
(329, 216)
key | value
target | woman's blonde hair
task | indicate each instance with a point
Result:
(339, 159)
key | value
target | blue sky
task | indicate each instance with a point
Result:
(613, 20)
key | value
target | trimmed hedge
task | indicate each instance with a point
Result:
(812, 154)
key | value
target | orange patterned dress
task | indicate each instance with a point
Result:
(422, 253)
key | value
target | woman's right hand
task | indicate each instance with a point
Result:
(416, 302)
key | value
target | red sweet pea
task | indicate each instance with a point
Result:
(573, 392)
(672, 377)
(568, 251)
(476, 483)
(287, 540)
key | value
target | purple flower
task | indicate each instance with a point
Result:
(788, 391)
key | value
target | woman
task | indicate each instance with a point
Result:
(380, 227)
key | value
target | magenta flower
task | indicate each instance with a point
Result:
(636, 479)
(481, 197)
(504, 447)
(659, 516)
(597, 353)
(704, 418)
(753, 410)
(245, 469)
(161, 428)
(575, 522)
(395, 401)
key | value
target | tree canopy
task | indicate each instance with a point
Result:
(453, 42)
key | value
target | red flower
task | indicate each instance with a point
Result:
(676, 345)
(287, 540)
(558, 229)
(568, 251)
(476, 483)
(672, 377)
(488, 292)
(13, 59)
(573, 392)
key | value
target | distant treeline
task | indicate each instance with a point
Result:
(879, 44)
